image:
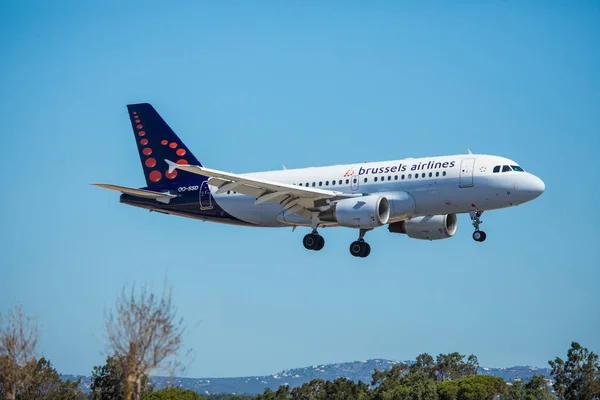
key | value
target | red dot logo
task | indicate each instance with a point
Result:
(144, 142)
(171, 175)
(180, 152)
(147, 151)
(137, 121)
(150, 163)
(182, 162)
(142, 133)
(155, 176)
(164, 142)
(139, 126)
(172, 145)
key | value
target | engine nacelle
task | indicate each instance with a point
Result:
(431, 227)
(359, 212)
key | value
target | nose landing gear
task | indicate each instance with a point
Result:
(478, 236)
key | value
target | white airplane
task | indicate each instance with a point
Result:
(418, 197)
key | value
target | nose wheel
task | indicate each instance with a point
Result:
(478, 236)
(313, 241)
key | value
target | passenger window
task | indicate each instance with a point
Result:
(340, 181)
(306, 184)
(416, 176)
(366, 180)
(437, 173)
(321, 183)
(423, 175)
(497, 168)
(228, 192)
(444, 173)
(347, 181)
(313, 184)
(506, 168)
(517, 168)
(326, 183)
(375, 179)
(409, 176)
(395, 177)
(430, 174)
(403, 176)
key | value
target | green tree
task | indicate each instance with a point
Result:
(172, 394)
(577, 377)
(537, 389)
(45, 384)
(515, 391)
(425, 364)
(447, 390)
(453, 366)
(389, 378)
(478, 387)
(108, 380)
(412, 386)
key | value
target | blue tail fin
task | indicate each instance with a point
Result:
(156, 142)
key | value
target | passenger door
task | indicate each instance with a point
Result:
(466, 172)
(354, 184)
(205, 197)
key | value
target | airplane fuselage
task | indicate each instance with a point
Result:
(438, 185)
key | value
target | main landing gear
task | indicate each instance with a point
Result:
(478, 236)
(360, 248)
(313, 241)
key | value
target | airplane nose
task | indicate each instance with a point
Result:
(536, 186)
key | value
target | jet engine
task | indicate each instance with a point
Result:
(359, 212)
(431, 227)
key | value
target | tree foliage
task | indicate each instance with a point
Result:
(108, 380)
(45, 384)
(578, 377)
(172, 394)
(18, 351)
(536, 389)
(478, 387)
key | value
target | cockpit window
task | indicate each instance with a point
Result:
(517, 168)
(506, 168)
(497, 168)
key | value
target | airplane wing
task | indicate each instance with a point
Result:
(295, 199)
(148, 194)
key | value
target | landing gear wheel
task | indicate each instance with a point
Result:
(320, 243)
(360, 249)
(313, 241)
(367, 250)
(356, 248)
(479, 236)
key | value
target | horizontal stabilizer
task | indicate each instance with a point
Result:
(148, 194)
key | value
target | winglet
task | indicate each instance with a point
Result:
(172, 165)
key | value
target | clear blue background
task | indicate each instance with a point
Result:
(251, 86)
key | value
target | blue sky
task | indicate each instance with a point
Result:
(251, 86)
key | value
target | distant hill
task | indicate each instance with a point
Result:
(357, 370)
